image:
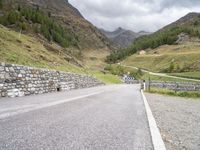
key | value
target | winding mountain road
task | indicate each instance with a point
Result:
(100, 118)
(161, 74)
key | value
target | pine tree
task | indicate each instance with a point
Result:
(1, 3)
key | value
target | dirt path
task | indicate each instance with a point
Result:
(178, 120)
(162, 74)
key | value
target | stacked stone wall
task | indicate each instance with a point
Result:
(17, 80)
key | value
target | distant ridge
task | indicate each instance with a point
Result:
(122, 38)
(187, 18)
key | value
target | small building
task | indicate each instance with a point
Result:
(142, 52)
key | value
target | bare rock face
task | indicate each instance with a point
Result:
(183, 37)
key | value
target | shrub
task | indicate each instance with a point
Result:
(13, 17)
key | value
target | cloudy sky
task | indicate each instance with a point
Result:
(136, 15)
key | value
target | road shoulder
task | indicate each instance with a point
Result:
(157, 140)
(178, 120)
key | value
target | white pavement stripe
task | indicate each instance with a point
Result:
(40, 106)
(157, 140)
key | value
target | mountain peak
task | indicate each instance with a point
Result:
(122, 37)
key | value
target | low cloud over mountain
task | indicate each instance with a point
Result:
(136, 15)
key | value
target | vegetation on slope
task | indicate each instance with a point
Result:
(22, 49)
(25, 18)
(175, 93)
(25, 50)
(168, 36)
(55, 21)
(171, 59)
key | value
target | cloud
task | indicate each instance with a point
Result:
(136, 15)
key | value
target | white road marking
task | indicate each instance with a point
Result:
(157, 140)
(40, 106)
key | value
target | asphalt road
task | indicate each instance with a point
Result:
(100, 118)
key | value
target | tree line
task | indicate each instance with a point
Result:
(34, 19)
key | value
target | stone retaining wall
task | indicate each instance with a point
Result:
(174, 85)
(16, 80)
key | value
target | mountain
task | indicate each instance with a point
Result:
(184, 29)
(121, 37)
(58, 7)
(182, 21)
(174, 48)
(55, 22)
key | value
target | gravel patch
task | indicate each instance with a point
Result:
(178, 120)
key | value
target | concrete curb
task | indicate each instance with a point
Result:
(157, 140)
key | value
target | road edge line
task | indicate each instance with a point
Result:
(156, 137)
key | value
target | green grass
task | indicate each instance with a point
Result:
(106, 78)
(146, 76)
(173, 93)
(114, 69)
(26, 50)
(184, 57)
(191, 75)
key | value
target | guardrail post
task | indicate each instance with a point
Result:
(144, 83)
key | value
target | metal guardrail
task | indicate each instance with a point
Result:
(176, 86)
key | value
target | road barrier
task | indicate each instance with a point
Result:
(176, 86)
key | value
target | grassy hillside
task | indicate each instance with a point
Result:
(168, 58)
(166, 36)
(56, 21)
(26, 50)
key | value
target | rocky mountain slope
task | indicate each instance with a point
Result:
(123, 38)
(190, 17)
(54, 22)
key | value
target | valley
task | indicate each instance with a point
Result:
(87, 74)
(41, 36)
